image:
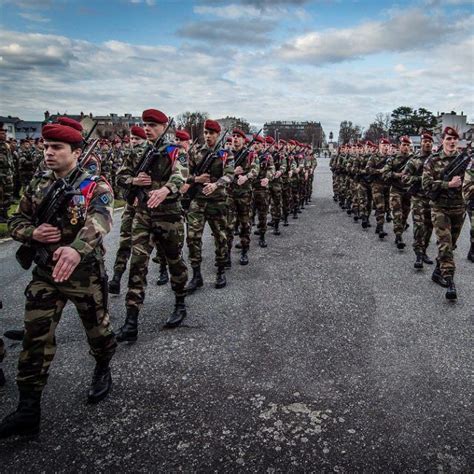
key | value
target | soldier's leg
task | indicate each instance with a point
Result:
(216, 216)
(285, 202)
(406, 207)
(2, 356)
(418, 225)
(470, 254)
(243, 203)
(379, 203)
(442, 226)
(396, 208)
(427, 224)
(196, 223)
(125, 242)
(262, 210)
(231, 219)
(387, 203)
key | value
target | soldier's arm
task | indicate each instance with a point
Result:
(254, 170)
(227, 173)
(429, 181)
(270, 169)
(191, 167)
(20, 224)
(468, 185)
(176, 180)
(408, 174)
(126, 173)
(98, 221)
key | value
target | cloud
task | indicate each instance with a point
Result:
(29, 4)
(246, 32)
(150, 3)
(406, 30)
(34, 17)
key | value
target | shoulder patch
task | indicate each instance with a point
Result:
(104, 198)
(172, 151)
(182, 159)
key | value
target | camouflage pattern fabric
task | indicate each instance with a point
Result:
(261, 194)
(468, 193)
(6, 178)
(400, 205)
(125, 241)
(422, 225)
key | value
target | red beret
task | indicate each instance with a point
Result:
(117, 140)
(228, 140)
(270, 140)
(384, 141)
(155, 116)
(405, 140)
(282, 142)
(450, 131)
(259, 139)
(182, 135)
(70, 123)
(61, 133)
(426, 136)
(239, 132)
(138, 132)
(212, 125)
(291, 142)
(247, 140)
(126, 139)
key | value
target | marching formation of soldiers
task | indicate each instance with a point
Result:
(171, 190)
(389, 179)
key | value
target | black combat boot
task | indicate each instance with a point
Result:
(256, 232)
(285, 220)
(451, 293)
(114, 284)
(378, 228)
(101, 382)
(236, 229)
(228, 261)
(399, 242)
(178, 314)
(437, 277)
(196, 281)
(365, 222)
(295, 213)
(276, 228)
(271, 223)
(470, 254)
(388, 217)
(356, 218)
(349, 210)
(15, 334)
(419, 261)
(368, 222)
(382, 233)
(221, 282)
(129, 331)
(164, 278)
(261, 241)
(238, 245)
(25, 421)
(427, 259)
(244, 259)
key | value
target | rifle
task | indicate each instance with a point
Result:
(91, 131)
(204, 167)
(457, 167)
(193, 144)
(245, 151)
(50, 210)
(84, 160)
(144, 166)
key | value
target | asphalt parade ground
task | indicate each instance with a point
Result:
(328, 352)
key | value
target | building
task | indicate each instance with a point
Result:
(307, 132)
(9, 124)
(458, 122)
(28, 129)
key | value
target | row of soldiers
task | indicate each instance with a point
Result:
(214, 182)
(394, 181)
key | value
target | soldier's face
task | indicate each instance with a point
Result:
(450, 144)
(136, 140)
(153, 130)
(3, 134)
(59, 156)
(426, 146)
(210, 137)
(404, 148)
(237, 141)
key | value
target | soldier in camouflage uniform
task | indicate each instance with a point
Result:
(106, 158)
(6, 176)
(276, 190)
(421, 209)
(400, 199)
(158, 217)
(74, 270)
(468, 192)
(364, 189)
(138, 140)
(312, 164)
(117, 161)
(285, 182)
(261, 189)
(380, 190)
(27, 164)
(240, 194)
(448, 209)
(209, 204)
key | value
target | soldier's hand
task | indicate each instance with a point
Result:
(209, 188)
(278, 174)
(142, 180)
(47, 234)
(67, 259)
(203, 178)
(264, 182)
(455, 182)
(184, 188)
(238, 170)
(157, 196)
(242, 180)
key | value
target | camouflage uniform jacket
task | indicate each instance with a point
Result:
(83, 226)
(266, 169)
(395, 164)
(221, 171)
(412, 173)
(468, 186)
(432, 181)
(280, 163)
(251, 169)
(27, 163)
(6, 163)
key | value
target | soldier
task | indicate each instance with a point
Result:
(158, 217)
(285, 182)
(70, 267)
(421, 210)
(261, 190)
(209, 204)
(138, 141)
(400, 199)
(380, 189)
(240, 194)
(117, 160)
(6, 176)
(276, 190)
(448, 209)
(27, 164)
(364, 190)
(468, 192)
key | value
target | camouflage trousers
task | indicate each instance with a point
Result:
(262, 203)
(295, 197)
(238, 208)
(302, 185)
(6, 194)
(422, 225)
(355, 196)
(45, 301)
(165, 226)
(364, 194)
(335, 183)
(447, 224)
(400, 202)
(214, 212)
(309, 185)
(125, 240)
(285, 198)
(470, 212)
(380, 195)
(276, 194)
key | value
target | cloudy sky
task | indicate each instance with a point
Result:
(325, 60)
